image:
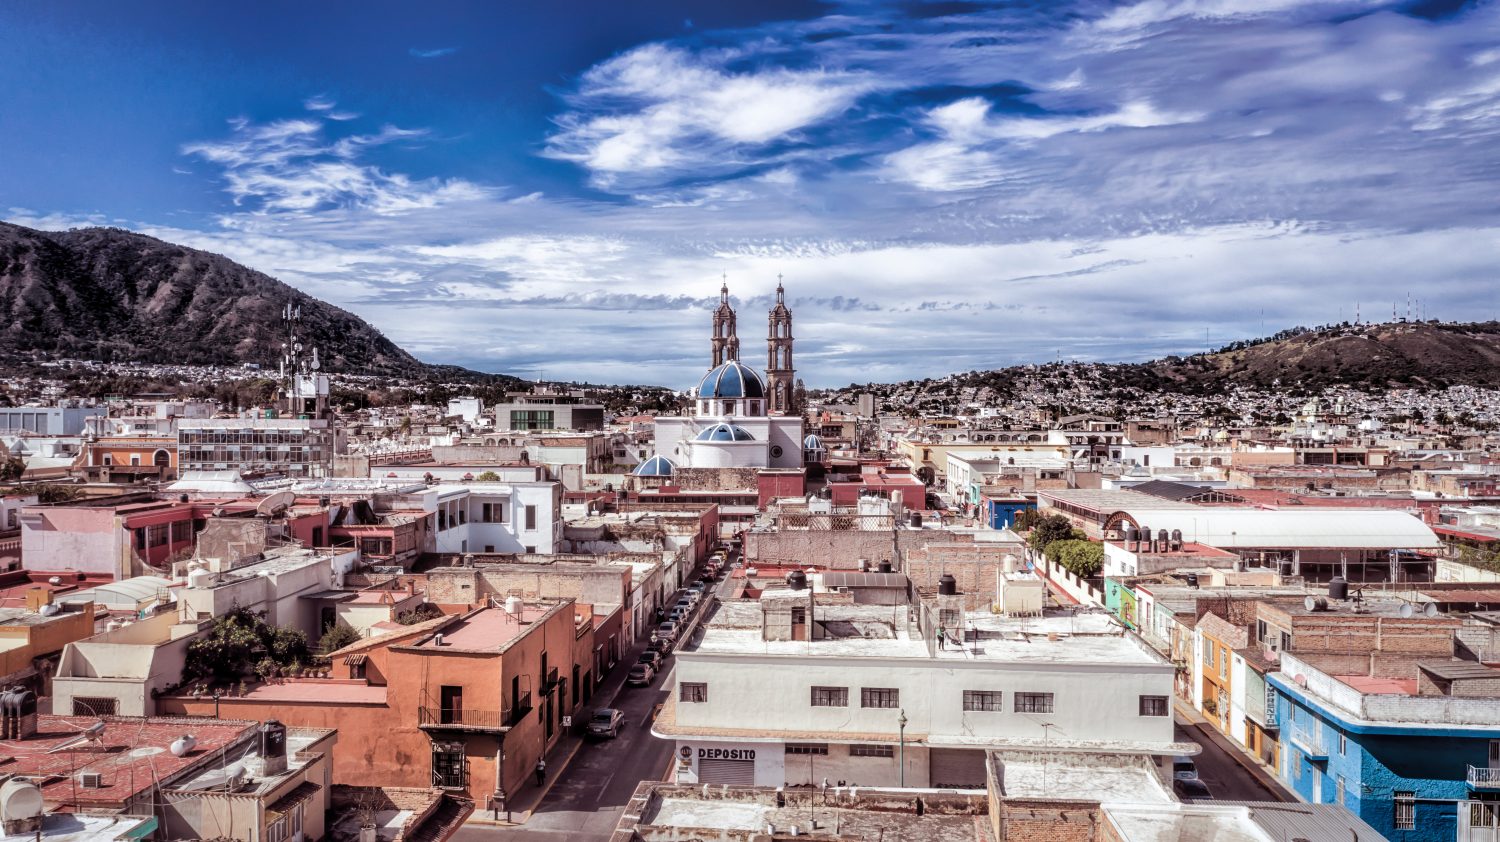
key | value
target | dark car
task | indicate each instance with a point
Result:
(659, 646)
(640, 675)
(650, 657)
(606, 723)
(1191, 790)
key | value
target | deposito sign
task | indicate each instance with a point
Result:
(726, 754)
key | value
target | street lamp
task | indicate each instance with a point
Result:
(901, 724)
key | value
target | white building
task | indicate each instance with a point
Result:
(495, 517)
(788, 691)
(737, 420)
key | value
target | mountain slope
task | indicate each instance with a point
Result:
(104, 293)
(1427, 354)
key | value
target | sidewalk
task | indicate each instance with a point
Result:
(1248, 762)
(526, 799)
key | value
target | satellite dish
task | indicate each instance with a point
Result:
(1407, 611)
(1430, 609)
(275, 503)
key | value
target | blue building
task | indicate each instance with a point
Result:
(1000, 512)
(1418, 759)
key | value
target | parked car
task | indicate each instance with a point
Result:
(678, 613)
(666, 631)
(1183, 769)
(1191, 790)
(606, 722)
(650, 657)
(640, 675)
(659, 646)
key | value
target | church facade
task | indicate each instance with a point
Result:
(739, 417)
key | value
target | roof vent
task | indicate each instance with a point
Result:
(90, 780)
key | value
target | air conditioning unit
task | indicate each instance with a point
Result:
(90, 780)
(1111, 534)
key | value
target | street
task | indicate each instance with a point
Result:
(1221, 772)
(586, 801)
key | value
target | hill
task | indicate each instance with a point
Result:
(1395, 355)
(114, 295)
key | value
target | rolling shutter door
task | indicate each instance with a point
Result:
(740, 772)
(956, 767)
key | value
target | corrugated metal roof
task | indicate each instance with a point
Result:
(842, 579)
(1457, 670)
(1308, 821)
(127, 593)
(1375, 529)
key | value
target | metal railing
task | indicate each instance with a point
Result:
(1308, 741)
(1484, 776)
(464, 717)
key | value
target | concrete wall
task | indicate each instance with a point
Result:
(68, 539)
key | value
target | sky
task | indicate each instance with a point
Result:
(557, 190)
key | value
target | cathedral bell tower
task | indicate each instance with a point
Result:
(726, 346)
(780, 375)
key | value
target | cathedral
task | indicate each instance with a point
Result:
(739, 418)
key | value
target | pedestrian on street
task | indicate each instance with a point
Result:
(541, 771)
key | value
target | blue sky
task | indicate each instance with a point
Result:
(557, 188)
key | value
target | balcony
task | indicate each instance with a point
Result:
(1308, 743)
(1484, 777)
(465, 719)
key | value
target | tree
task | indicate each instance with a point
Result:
(1049, 529)
(48, 492)
(1082, 558)
(337, 637)
(488, 476)
(421, 614)
(799, 398)
(241, 641)
(12, 469)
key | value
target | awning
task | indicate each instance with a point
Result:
(354, 659)
(303, 792)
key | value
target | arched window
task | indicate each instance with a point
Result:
(161, 459)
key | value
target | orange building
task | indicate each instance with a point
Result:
(136, 451)
(466, 702)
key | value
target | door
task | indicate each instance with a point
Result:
(451, 700)
(738, 772)
(956, 768)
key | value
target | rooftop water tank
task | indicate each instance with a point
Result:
(514, 605)
(182, 745)
(21, 806)
(796, 580)
(1338, 588)
(947, 585)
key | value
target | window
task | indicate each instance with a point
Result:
(1153, 706)
(1261, 630)
(448, 767)
(1343, 744)
(1286, 642)
(1338, 781)
(872, 751)
(879, 697)
(157, 535)
(1033, 703)
(1224, 663)
(982, 700)
(532, 419)
(95, 705)
(276, 831)
(1208, 653)
(830, 697)
(531, 517)
(807, 748)
(689, 691)
(1406, 810)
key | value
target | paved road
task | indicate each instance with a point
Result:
(1222, 773)
(585, 803)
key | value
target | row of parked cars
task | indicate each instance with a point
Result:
(606, 722)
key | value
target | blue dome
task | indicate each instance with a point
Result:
(731, 380)
(725, 432)
(656, 466)
(812, 442)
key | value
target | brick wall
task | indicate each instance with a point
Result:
(716, 479)
(1054, 821)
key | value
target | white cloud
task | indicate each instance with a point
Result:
(660, 108)
(290, 166)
